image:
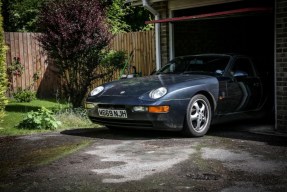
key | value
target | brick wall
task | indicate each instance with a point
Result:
(162, 8)
(281, 64)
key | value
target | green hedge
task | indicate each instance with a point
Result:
(3, 76)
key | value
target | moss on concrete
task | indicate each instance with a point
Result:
(39, 156)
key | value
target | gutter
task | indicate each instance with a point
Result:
(157, 33)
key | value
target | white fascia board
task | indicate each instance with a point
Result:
(139, 2)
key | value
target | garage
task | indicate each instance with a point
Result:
(256, 28)
(239, 27)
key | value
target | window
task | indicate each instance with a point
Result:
(207, 64)
(242, 67)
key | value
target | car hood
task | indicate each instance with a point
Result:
(142, 85)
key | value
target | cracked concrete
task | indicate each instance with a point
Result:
(225, 160)
(139, 160)
(243, 161)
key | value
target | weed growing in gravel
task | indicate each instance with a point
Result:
(73, 118)
(41, 119)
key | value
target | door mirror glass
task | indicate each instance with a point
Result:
(240, 73)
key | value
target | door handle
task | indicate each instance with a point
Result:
(256, 84)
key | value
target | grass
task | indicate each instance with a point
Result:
(73, 119)
(15, 112)
(14, 106)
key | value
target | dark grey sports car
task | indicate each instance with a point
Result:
(187, 94)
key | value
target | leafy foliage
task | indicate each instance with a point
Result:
(3, 77)
(21, 15)
(41, 119)
(111, 61)
(16, 67)
(113, 57)
(73, 117)
(75, 35)
(24, 95)
(125, 18)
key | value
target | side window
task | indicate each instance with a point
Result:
(242, 68)
(168, 68)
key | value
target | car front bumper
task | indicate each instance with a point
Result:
(172, 120)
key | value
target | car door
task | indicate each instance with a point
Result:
(245, 86)
(230, 95)
(240, 89)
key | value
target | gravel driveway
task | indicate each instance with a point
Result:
(229, 158)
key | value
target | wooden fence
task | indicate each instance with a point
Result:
(24, 46)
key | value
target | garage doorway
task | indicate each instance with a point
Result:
(250, 34)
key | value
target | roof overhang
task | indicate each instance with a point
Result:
(139, 2)
(229, 13)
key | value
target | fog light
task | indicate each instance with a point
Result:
(158, 109)
(139, 109)
(89, 105)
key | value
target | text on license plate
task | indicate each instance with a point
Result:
(113, 113)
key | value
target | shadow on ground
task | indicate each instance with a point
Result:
(20, 108)
(122, 134)
(248, 132)
(253, 131)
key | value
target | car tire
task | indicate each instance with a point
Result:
(198, 116)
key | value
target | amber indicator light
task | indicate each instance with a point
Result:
(158, 109)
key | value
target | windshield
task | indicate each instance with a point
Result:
(196, 64)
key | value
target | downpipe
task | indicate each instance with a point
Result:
(147, 6)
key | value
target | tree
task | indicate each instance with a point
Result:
(126, 18)
(3, 78)
(74, 35)
(21, 15)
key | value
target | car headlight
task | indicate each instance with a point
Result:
(158, 93)
(97, 90)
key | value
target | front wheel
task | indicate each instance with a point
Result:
(198, 116)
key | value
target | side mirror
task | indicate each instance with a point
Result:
(219, 72)
(239, 73)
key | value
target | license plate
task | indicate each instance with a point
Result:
(113, 113)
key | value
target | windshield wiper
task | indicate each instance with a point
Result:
(188, 72)
(164, 73)
(197, 72)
